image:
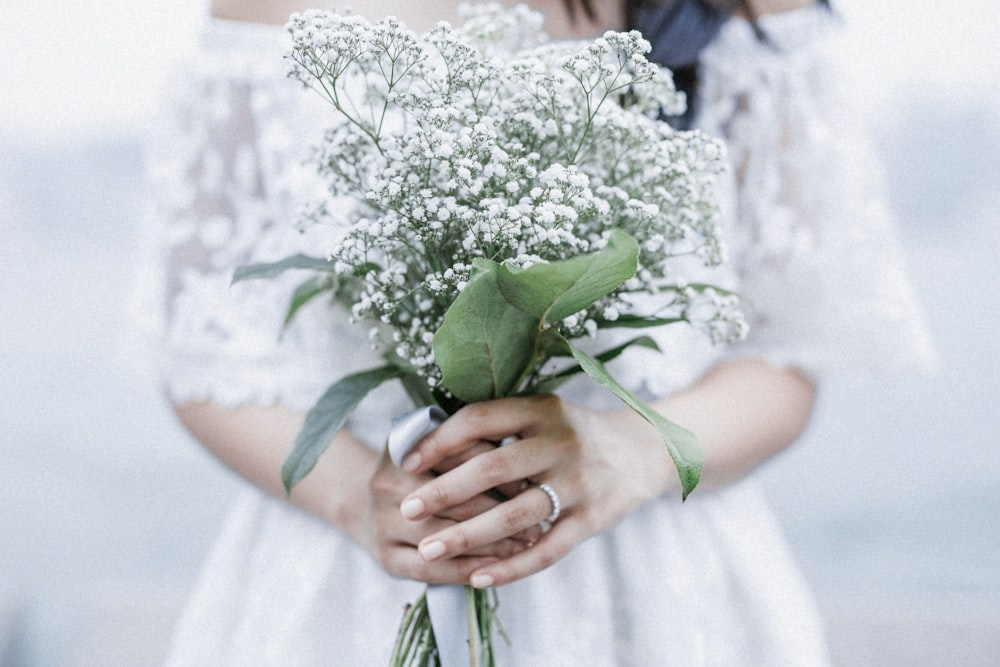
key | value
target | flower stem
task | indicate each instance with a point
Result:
(472, 617)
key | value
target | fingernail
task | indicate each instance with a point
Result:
(481, 581)
(432, 550)
(411, 462)
(412, 508)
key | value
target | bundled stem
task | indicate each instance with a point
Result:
(416, 645)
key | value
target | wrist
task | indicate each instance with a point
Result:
(651, 467)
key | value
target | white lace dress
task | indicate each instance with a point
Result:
(707, 582)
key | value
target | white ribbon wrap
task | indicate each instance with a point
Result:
(445, 603)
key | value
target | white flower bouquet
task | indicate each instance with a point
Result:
(509, 196)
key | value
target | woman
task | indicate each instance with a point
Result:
(627, 575)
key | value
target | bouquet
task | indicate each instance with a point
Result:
(509, 198)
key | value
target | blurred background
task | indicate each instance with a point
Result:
(892, 502)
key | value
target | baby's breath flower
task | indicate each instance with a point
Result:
(487, 140)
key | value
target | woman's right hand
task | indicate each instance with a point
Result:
(394, 539)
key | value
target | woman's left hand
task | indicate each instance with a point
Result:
(602, 466)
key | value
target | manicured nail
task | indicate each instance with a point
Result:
(412, 508)
(481, 581)
(432, 550)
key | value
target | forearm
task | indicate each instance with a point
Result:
(743, 412)
(254, 441)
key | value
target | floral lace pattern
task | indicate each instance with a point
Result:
(227, 177)
(813, 243)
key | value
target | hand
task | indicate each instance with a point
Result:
(602, 465)
(393, 539)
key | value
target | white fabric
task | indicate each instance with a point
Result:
(708, 582)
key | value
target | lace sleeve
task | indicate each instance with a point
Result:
(813, 243)
(225, 180)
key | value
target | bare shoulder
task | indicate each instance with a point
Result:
(764, 7)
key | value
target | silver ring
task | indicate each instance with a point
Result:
(556, 506)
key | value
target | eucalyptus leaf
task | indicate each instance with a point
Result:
(327, 417)
(485, 343)
(553, 291)
(682, 444)
(272, 269)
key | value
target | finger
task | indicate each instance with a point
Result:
(513, 489)
(468, 509)
(513, 463)
(504, 491)
(391, 529)
(489, 420)
(557, 543)
(404, 561)
(452, 462)
(503, 522)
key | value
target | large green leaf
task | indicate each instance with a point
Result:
(682, 444)
(550, 292)
(327, 417)
(484, 343)
(272, 269)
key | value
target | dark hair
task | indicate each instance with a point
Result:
(584, 5)
(631, 7)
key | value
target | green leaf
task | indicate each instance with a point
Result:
(558, 289)
(701, 287)
(272, 269)
(305, 292)
(484, 343)
(637, 322)
(327, 417)
(550, 384)
(682, 444)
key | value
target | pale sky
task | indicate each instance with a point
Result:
(93, 66)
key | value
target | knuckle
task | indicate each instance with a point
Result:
(515, 518)
(440, 496)
(474, 411)
(460, 539)
(494, 467)
(472, 415)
